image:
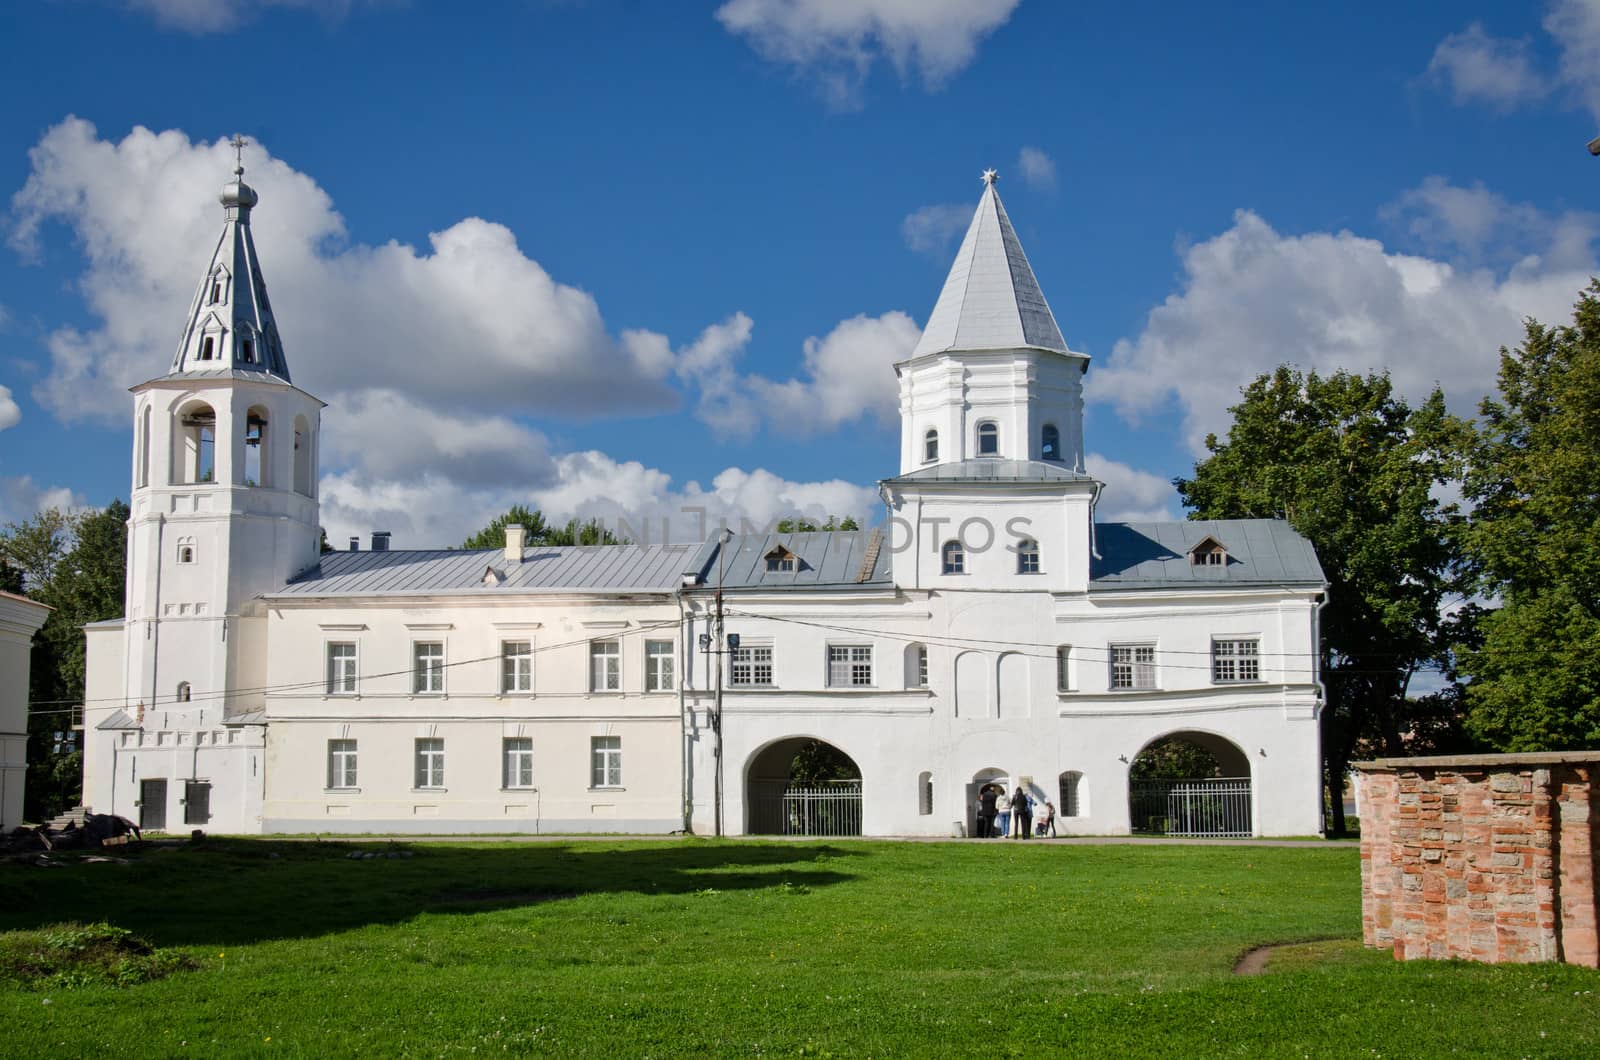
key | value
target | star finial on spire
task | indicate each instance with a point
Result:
(989, 177)
(237, 143)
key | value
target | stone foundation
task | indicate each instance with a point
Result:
(1484, 857)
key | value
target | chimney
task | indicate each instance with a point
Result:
(355, 543)
(380, 541)
(514, 534)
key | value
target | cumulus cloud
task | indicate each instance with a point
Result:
(1478, 67)
(218, 16)
(1476, 225)
(847, 376)
(1131, 495)
(21, 498)
(1575, 26)
(932, 229)
(10, 415)
(838, 42)
(350, 314)
(1252, 298)
(1037, 168)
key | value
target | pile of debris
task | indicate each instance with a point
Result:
(98, 830)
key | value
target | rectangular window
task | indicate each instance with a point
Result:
(517, 762)
(751, 665)
(341, 668)
(516, 666)
(658, 676)
(1235, 661)
(1133, 666)
(922, 666)
(605, 666)
(1064, 668)
(849, 665)
(341, 763)
(430, 762)
(427, 667)
(605, 761)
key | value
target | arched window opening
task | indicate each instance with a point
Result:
(1027, 556)
(953, 558)
(144, 447)
(257, 455)
(208, 348)
(916, 666)
(930, 446)
(1071, 801)
(924, 794)
(302, 456)
(186, 550)
(1050, 443)
(183, 692)
(216, 290)
(1190, 783)
(988, 439)
(196, 447)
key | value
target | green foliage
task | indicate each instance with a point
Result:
(76, 564)
(537, 531)
(817, 762)
(71, 956)
(1534, 543)
(1355, 469)
(1174, 758)
(806, 526)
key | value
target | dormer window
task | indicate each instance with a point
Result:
(930, 446)
(208, 348)
(216, 291)
(1050, 443)
(249, 351)
(780, 559)
(1208, 553)
(988, 439)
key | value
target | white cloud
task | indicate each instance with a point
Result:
(932, 229)
(1476, 225)
(10, 415)
(218, 16)
(1131, 495)
(839, 40)
(1037, 168)
(21, 498)
(1482, 68)
(1252, 298)
(848, 376)
(391, 436)
(352, 316)
(1575, 26)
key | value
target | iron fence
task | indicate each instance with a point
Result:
(1191, 807)
(831, 809)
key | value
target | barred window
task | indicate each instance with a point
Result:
(751, 665)
(1235, 661)
(849, 665)
(1133, 666)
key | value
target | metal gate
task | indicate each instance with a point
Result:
(153, 805)
(1191, 807)
(832, 809)
(197, 802)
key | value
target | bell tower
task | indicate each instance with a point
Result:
(224, 498)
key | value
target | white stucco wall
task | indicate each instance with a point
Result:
(19, 619)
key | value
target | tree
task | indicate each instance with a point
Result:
(1174, 758)
(806, 526)
(539, 532)
(1533, 542)
(1355, 469)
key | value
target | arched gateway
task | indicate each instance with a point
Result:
(802, 786)
(1190, 784)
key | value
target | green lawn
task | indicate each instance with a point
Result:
(744, 948)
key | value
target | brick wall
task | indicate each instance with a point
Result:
(1484, 857)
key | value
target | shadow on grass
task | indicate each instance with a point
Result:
(232, 891)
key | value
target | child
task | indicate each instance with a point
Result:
(1046, 821)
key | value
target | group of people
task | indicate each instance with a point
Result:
(1002, 816)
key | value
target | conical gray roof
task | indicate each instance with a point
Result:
(990, 300)
(230, 326)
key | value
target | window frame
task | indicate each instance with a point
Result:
(1226, 654)
(419, 671)
(516, 668)
(855, 662)
(953, 557)
(428, 764)
(344, 764)
(930, 445)
(184, 693)
(987, 430)
(613, 672)
(745, 655)
(660, 667)
(1028, 556)
(187, 552)
(1137, 667)
(922, 666)
(605, 763)
(516, 762)
(1049, 434)
(351, 678)
(1063, 668)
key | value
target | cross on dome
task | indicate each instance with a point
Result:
(238, 144)
(989, 177)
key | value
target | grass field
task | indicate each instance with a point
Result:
(744, 948)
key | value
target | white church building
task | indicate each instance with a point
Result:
(988, 630)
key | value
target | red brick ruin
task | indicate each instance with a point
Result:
(1483, 857)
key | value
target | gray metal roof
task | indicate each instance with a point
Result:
(824, 559)
(1260, 551)
(988, 469)
(118, 719)
(585, 568)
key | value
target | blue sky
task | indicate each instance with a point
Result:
(620, 257)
